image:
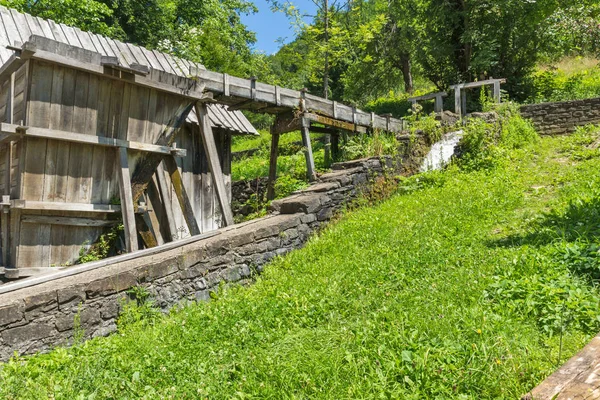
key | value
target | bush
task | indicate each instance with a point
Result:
(484, 143)
(373, 144)
(553, 85)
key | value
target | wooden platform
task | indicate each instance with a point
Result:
(578, 378)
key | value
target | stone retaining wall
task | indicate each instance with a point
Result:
(562, 117)
(40, 317)
(241, 191)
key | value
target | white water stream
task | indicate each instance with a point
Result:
(441, 152)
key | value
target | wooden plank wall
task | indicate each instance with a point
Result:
(18, 108)
(56, 171)
(198, 181)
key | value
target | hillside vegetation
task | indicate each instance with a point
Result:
(475, 282)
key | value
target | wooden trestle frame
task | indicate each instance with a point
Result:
(294, 110)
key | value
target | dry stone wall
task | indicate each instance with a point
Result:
(40, 317)
(562, 117)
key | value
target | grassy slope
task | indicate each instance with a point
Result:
(291, 160)
(391, 302)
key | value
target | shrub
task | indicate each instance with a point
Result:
(484, 143)
(373, 144)
(554, 85)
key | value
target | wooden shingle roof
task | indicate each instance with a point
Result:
(16, 28)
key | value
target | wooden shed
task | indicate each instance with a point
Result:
(92, 136)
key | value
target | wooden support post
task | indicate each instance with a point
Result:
(457, 101)
(310, 162)
(210, 148)
(496, 92)
(413, 104)
(463, 102)
(335, 147)
(8, 155)
(438, 106)
(327, 148)
(131, 243)
(182, 196)
(273, 163)
(163, 189)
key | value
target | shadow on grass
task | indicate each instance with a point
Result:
(579, 222)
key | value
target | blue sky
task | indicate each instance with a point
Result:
(270, 26)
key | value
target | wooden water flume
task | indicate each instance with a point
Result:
(95, 132)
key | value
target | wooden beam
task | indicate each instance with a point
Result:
(9, 67)
(320, 129)
(335, 123)
(182, 196)
(427, 96)
(70, 221)
(210, 149)
(131, 243)
(147, 164)
(153, 198)
(438, 106)
(8, 156)
(273, 164)
(163, 189)
(308, 154)
(59, 206)
(286, 122)
(11, 129)
(194, 89)
(145, 230)
(496, 92)
(457, 102)
(471, 85)
(16, 273)
(335, 147)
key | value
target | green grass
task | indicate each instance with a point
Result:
(290, 162)
(570, 79)
(461, 287)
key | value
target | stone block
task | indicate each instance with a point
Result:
(110, 309)
(161, 269)
(325, 214)
(71, 295)
(304, 203)
(349, 165)
(224, 259)
(240, 238)
(11, 313)
(193, 272)
(110, 285)
(192, 256)
(217, 247)
(321, 187)
(308, 218)
(105, 330)
(46, 301)
(27, 333)
(358, 179)
(265, 229)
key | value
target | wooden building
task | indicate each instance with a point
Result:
(95, 131)
(64, 134)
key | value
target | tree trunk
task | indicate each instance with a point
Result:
(326, 67)
(407, 72)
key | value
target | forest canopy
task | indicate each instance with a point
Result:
(357, 50)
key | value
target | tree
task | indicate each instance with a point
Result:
(88, 15)
(209, 31)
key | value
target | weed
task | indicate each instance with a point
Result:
(102, 248)
(464, 285)
(140, 310)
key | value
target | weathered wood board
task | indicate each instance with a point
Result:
(53, 170)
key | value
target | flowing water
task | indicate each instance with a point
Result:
(441, 152)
